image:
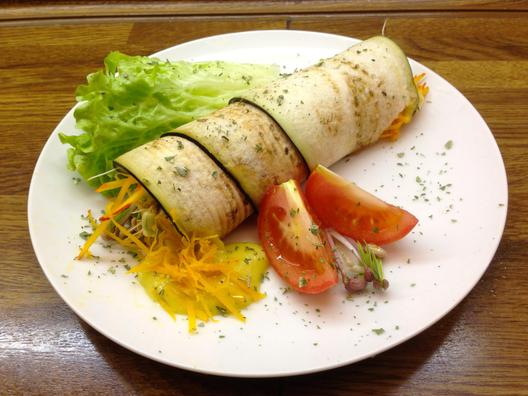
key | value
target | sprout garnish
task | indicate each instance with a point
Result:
(358, 263)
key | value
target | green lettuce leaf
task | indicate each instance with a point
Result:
(135, 99)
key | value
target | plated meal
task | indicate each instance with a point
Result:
(174, 197)
(273, 206)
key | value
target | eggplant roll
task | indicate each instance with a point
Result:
(343, 103)
(200, 198)
(250, 145)
(204, 172)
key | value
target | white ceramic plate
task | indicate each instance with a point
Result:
(462, 215)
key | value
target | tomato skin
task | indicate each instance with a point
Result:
(294, 243)
(354, 212)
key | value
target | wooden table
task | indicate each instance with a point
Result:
(46, 49)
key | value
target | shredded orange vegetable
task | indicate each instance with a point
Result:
(116, 209)
(422, 88)
(191, 272)
(103, 229)
(393, 131)
(198, 275)
(112, 185)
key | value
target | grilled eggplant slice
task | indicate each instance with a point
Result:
(326, 111)
(250, 146)
(343, 103)
(193, 190)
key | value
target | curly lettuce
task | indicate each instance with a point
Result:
(135, 99)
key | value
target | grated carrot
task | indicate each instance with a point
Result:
(422, 88)
(191, 313)
(393, 131)
(112, 185)
(101, 228)
(129, 182)
(113, 208)
(130, 236)
(134, 197)
(194, 275)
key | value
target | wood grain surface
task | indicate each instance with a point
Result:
(480, 348)
(38, 9)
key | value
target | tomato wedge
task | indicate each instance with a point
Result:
(295, 244)
(353, 212)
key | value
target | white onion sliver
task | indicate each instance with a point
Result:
(347, 242)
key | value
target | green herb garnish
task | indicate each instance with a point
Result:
(182, 171)
(85, 235)
(369, 260)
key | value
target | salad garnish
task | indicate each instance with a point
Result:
(198, 277)
(312, 236)
(135, 99)
(358, 263)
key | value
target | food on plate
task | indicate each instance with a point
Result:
(342, 103)
(212, 278)
(308, 252)
(294, 241)
(201, 198)
(198, 277)
(210, 174)
(327, 111)
(137, 98)
(192, 189)
(352, 211)
(249, 145)
(357, 263)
